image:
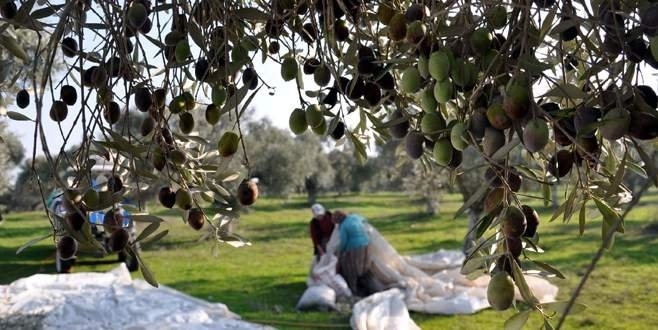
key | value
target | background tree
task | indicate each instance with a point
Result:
(285, 164)
(26, 194)
(322, 174)
(391, 167)
(35, 175)
(11, 155)
(343, 164)
(427, 182)
(469, 184)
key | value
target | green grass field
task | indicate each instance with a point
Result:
(263, 282)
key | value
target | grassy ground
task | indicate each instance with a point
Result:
(263, 282)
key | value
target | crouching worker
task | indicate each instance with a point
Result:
(354, 262)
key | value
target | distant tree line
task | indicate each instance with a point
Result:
(284, 164)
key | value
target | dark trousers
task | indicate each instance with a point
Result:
(355, 267)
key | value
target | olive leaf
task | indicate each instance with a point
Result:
(559, 307)
(476, 197)
(145, 218)
(563, 207)
(520, 281)
(649, 166)
(46, 12)
(568, 91)
(150, 229)
(359, 148)
(518, 320)
(472, 264)
(13, 115)
(610, 216)
(549, 268)
(251, 14)
(151, 240)
(32, 242)
(146, 272)
(12, 45)
(581, 218)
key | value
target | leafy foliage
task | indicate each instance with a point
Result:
(562, 83)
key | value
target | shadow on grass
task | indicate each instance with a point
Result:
(257, 294)
(35, 259)
(401, 221)
(90, 261)
(27, 233)
(398, 222)
(446, 244)
(260, 299)
(348, 203)
(276, 231)
(171, 244)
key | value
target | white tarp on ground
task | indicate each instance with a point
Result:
(382, 311)
(111, 300)
(429, 283)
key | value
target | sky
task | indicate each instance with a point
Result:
(275, 107)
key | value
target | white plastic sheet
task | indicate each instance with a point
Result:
(112, 300)
(429, 283)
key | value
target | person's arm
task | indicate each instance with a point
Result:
(315, 236)
(344, 235)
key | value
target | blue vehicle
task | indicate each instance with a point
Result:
(95, 218)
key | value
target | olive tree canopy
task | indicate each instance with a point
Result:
(566, 84)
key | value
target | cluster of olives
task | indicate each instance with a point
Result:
(622, 38)
(59, 109)
(515, 223)
(469, 96)
(183, 199)
(98, 76)
(247, 194)
(77, 202)
(314, 117)
(450, 69)
(371, 87)
(364, 81)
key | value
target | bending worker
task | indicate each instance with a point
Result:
(321, 226)
(354, 261)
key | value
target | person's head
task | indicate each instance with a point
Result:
(338, 216)
(318, 210)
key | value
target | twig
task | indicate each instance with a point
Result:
(599, 253)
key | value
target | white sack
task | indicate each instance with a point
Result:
(324, 270)
(384, 310)
(317, 297)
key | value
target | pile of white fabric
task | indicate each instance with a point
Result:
(429, 283)
(110, 300)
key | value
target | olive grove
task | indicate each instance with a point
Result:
(539, 91)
